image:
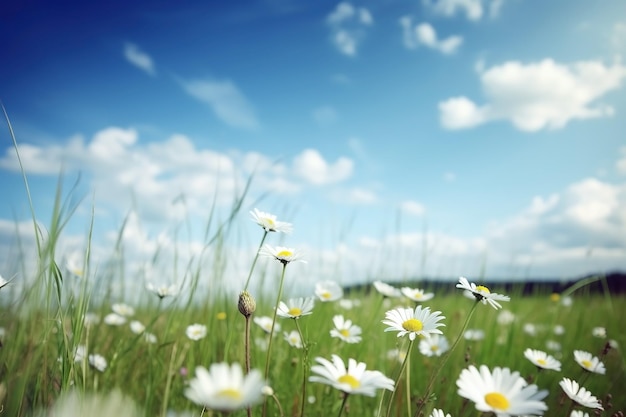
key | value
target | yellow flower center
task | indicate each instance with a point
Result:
(350, 380)
(294, 311)
(344, 332)
(497, 401)
(555, 297)
(586, 363)
(434, 348)
(412, 325)
(541, 361)
(270, 222)
(482, 288)
(326, 295)
(221, 315)
(230, 393)
(284, 254)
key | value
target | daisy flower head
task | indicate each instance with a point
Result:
(137, 327)
(502, 392)
(345, 330)
(225, 388)
(114, 319)
(353, 379)
(439, 413)
(265, 323)
(416, 294)
(162, 290)
(435, 345)
(387, 290)
(474, 334)
(579, 394)
(589, 362)
(505, 317)
(98, 362)
(293, 338)
(123, 309)
(542, 360)
(3, 282)
(196, 331)
(269, 223)
(328, 291)
(282, 254)
(599, 332)
(482, 293)
(578, 413)
(414, 322)
(296, 308)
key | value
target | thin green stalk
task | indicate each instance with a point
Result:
(404, 363)
(305, 366)
(408, 385)
(247, 354)
(343, 403)
(255, 259)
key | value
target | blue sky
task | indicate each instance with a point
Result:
(401, 138)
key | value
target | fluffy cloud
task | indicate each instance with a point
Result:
(424, 34)
(139, 59)
(223, 97)
(314, 169)
(413, 208)
(536, 96)
(473, 9)
(348, 27)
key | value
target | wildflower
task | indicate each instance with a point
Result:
(74, 266)
(353, 379)
(221, 316)
(387, 290)
(542, 360)
(502, 392)
(267, 391)
(98, 362)
(505, 317)
(123, 309)
(80, 354)
(282, 254)
(3, 282)
(579, 394)
(413, 322)
(225, 387)
(266, 324)
(293, 338)
(598, 332)
(345, 330)
(296, 308)
(269, 223)
(246, 304)
(474, 334)
(589, 362)
(553, 345)
(90, 319)
(113, 319)
(162, 290)
(74, 403)
(150, 338)
(578, 413)
(482, 293)
(137, 327)
(328, 291)
(530, 329)
(416, 294)
(439, 413)
(346, 304)
(559, 330)
(397, 354)
(567, 301)
(435, 345)
(196, 331)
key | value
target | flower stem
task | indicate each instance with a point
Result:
(305, 367)
(343, 403)
(247, 353)
(254, 261)
(404, 363)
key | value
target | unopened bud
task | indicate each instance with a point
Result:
(247, 304)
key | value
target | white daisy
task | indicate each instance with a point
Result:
(482, 293)
(196, 331)
(439, 413)
(162, 290)
(530, 329)
(328, 291)
(558, 330)
(80, 354)
(502, 392)
(123, 309)
(293, 338)
(282, 254)
(474, 334)
(296, 307)
(137, 327)
(113, 319)
(225, 387)
(505, 317)
(589, 362)
(150, 337)
(98, 362)
(578, 413)
(542, 360)
(553, 345)
(579, 394)
(269, 223)
(598, 332)
(435, 345)
(418, 322)
(345, 330)
(416, 294)
(387, 290)
(265, 323)
(354, 379)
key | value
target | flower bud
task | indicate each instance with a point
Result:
(247, 304)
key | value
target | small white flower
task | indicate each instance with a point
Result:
(162, 290)
(435, 345)
(123, 309)
(91, 319)
(439, 413)
(137, 327)
(293, 338)
(80, 354)
(542, 359)
(98, 362)
(269, 223)
(589, 362)
(530, 329)
(414, 322)
(345, 330)
(267, 391)
(282, 254)
(579, 394)
(150, 338)
(266, 324)
(113, 319)
(416, 294)
(482, 293)
(578, 413)
(397, 354)
(328, 291)
(296, 307)
(346, 303)
(474, 334)
(553, 345)
(196, 331)
(559, 330)
(505, 317)
(387, 290)
(599, 332)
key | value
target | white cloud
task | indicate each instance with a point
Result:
(618, 37)
(313, 168)
(425, 34)
(228, 103)
(359, 196)
(413, 208)
(472, 9)
(621, 163)
(139, 59)
(536, 96)
(325, 115)
(348, 27)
